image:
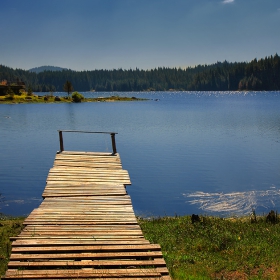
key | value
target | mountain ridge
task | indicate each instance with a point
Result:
(46, 68)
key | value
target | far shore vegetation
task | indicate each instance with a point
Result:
(200, 247)
(257, 75)
(76, 97)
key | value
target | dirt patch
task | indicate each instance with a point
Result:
(264, 273)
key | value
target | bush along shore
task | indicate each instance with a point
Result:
(200, 247)
(75, 97)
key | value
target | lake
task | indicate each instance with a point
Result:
(213, 153)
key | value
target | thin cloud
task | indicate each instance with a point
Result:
(227, 1)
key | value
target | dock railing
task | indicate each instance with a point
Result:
(114, 148)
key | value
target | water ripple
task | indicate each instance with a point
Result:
(235, 203)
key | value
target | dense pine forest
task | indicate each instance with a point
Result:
(262, 74)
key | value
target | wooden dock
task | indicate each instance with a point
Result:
(85, 228)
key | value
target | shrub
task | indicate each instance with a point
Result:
(29, 91)
(10, 93)
(21, 91)
(77, 97)
(9, 97)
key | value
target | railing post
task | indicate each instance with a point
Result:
(113, 143)
(61, 141)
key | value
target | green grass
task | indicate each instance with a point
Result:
(217, 248)
(8, 227)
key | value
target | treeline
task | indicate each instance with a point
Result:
(262, 74)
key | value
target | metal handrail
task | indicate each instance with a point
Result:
(96, 132)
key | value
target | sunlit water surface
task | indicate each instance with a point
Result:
(186, 152)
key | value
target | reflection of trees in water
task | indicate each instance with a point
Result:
(1, 199)
(71, 115)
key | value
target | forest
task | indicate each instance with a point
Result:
(257, 75)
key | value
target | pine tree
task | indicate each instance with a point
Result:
(68, 87)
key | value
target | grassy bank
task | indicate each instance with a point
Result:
(25, 98)
(216, 248)
(212, 248)
(8, 227)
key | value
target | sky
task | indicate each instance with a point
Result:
(129, 34)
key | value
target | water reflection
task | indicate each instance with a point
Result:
(235, 203)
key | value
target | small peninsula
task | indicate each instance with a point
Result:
(16, 93)
(50, 98)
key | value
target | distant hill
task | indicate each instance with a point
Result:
(46, 68)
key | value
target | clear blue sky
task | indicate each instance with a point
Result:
(112, 34)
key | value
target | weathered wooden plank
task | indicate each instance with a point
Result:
(93, 273)
(88, 200)
(80, 204)
(99, 177)
(87, 160)
(77, 216)
(93, 237)
(99, 248)
(79, 188)
(60, 194)
(86, 156)
(88, 185)
(106, 165)
(82, 232)
(111, 157)
(88, 178)
(56, 217)
(88, 153)
(90, 263)
(82, 170)
(81, 221)
(84, 153)
(94, 277)
(92, 234)
(49, 229)
(86, 218)
(78, 182)
(81, 191)
(76, 242)
(84, 162)
(87, 255)
(82, 208)
(101, 209)
(91, 180)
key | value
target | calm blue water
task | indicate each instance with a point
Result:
(189, 152)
